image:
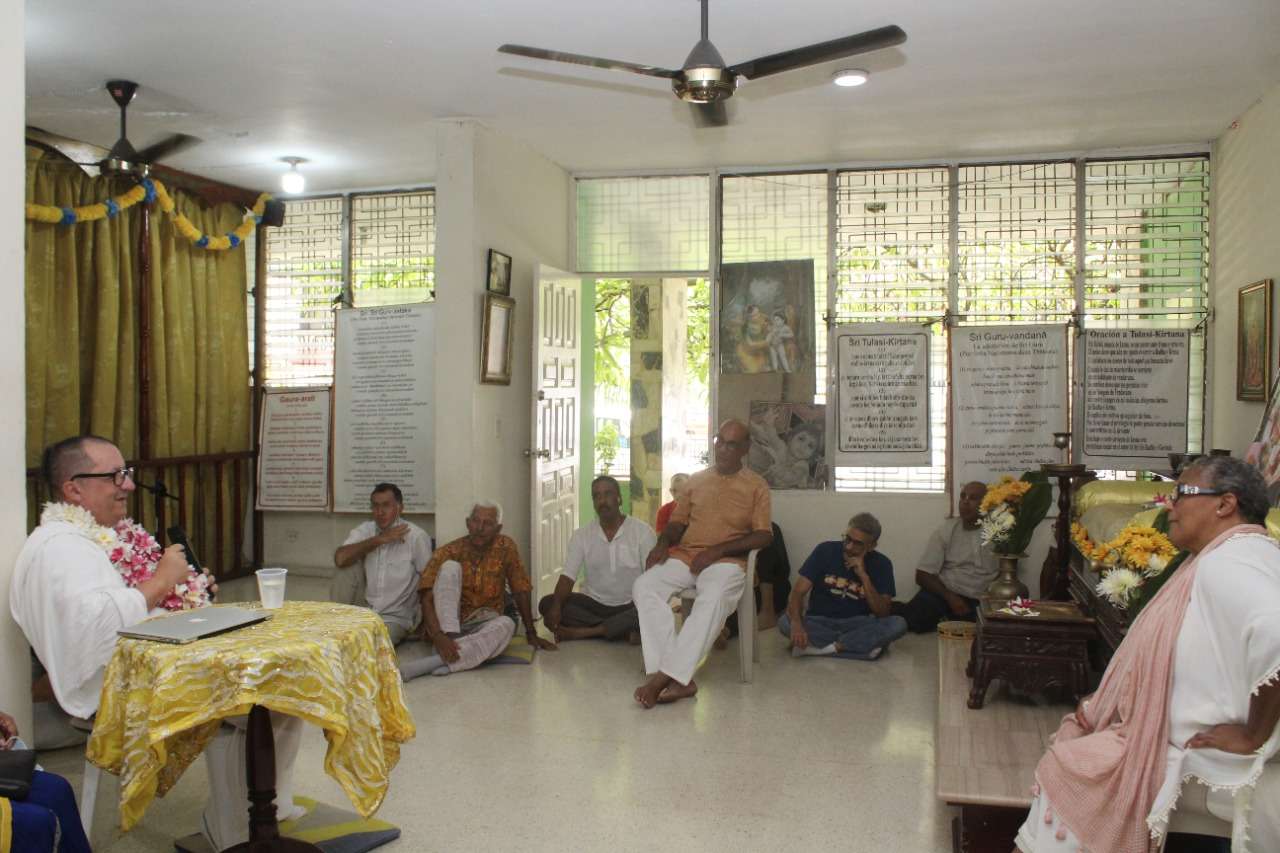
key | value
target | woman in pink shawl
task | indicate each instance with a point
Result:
(1192, 694)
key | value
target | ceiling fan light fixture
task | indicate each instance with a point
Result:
(849, 77)
(704, 85)
(293, 181)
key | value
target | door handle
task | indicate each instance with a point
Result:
(537, 454)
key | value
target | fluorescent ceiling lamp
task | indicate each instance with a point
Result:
(850, 77)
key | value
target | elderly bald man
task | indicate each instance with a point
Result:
(722, 515)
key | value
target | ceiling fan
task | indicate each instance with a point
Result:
(122, 158)
(706, 82)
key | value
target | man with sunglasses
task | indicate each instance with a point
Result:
(70, 601)
(850, 587)
(955, 570)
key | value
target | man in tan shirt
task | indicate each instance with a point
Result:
(722, 516)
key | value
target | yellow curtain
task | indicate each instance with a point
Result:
(82, 291)
(81, 313)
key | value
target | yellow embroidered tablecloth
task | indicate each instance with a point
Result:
(330, 664)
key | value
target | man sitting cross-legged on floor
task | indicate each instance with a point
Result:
(610, 553)
(955, 570)
(721, 517)
(463, 595)
(850, 588)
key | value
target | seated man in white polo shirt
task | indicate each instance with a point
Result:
(380, 563)
(608, 554)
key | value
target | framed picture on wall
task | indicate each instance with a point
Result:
(495, 342)
(1253, 341)
(499, 273)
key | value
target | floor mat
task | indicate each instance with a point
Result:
(332, 829)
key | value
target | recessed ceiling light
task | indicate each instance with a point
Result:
(850, 77)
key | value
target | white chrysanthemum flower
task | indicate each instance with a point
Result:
(1156, 566)
(1118, 585)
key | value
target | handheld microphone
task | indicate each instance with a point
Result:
(178, 536)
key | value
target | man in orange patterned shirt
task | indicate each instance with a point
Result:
(463, 593)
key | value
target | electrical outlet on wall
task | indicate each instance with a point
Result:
(291, 535)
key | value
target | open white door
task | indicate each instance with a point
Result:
(557, 312)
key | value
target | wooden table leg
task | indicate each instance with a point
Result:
(260, 754)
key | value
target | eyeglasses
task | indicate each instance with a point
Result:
(1183, 490)
(117, 476)
(849, 540)
(724, 442)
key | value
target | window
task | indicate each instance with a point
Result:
(391, 260)
(649, 224)
(988, 244)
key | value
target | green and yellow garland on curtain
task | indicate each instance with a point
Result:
(147, 192)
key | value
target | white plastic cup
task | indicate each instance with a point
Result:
(271, 587)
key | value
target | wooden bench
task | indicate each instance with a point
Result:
(986, 758)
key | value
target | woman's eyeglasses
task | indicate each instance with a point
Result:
(1182, 490)
(117, 476)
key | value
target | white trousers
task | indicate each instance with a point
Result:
(719, 588)
(485, 633)
(226, 817)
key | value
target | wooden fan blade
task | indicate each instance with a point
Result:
(84, 154)
(166, 147)
(789, 60)
(579, 59)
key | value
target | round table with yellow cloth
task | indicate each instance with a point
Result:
(329, 664)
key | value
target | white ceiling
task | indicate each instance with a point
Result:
(358, 87)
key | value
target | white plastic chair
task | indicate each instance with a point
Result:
(748, 648)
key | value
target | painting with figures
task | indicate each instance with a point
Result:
(788, 444)
(766, 316)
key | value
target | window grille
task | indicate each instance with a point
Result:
(304, 277)
(392, 260)
(393, 248)
(653, 224)
(1146, 255)
(892, 263)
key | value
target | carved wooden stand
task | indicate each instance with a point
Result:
(264, 833)
(1031, 653)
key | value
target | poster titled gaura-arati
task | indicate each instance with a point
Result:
(766, 317)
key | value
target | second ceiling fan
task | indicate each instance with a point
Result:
(706, 82)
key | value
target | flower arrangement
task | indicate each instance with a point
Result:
(133, 552)
(1134, 564)
(1011, 509)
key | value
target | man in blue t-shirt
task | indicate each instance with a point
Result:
(850, 588)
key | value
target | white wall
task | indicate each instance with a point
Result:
(1245, 210)
(491, 192)
(807, 518)
(15, 660)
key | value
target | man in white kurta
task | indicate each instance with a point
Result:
(380, 563)
(606, 555)
(70, 602)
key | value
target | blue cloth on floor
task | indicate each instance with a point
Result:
(49, 807)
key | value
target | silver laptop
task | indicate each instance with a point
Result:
(187, 626)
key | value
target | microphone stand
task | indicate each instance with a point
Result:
(160, 492)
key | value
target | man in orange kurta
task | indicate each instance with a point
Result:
(463, 593)
(723, 514)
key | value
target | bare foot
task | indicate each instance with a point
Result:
(563, 633)
(722, 641)
(647, 694)
(633, 639)
(676, 691)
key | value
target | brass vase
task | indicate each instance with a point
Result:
(1006, 585)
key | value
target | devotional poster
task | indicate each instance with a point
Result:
(766, 317)
(788, 444)
(880, 416)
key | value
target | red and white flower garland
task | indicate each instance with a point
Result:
(133, 552)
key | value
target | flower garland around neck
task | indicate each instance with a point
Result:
(133, 552)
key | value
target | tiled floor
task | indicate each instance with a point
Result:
(816, 754)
